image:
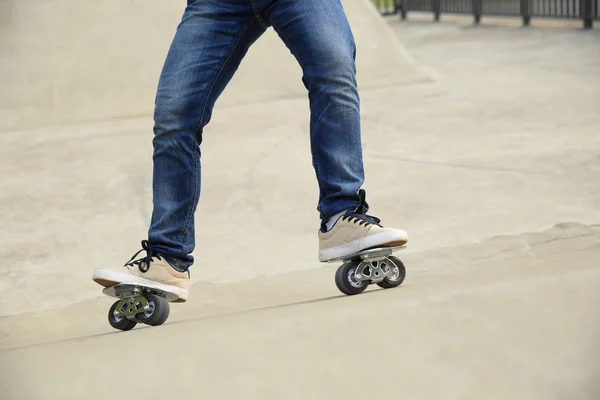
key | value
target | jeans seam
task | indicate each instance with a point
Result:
(257, 16)
(199, 125)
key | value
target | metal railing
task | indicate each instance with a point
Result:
(585, 10)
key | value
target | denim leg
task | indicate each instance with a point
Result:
(318, 34)
(208, 46)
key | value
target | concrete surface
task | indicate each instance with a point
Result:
(491, 166)
(66, 61)
(512, 318)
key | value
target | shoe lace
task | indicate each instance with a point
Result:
(362, 219)
(143, 263)
(359, 214)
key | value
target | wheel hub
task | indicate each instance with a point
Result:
(352, 278)
(130, 307)
(375, 271)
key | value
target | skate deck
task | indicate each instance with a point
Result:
(116, 291)
(113, 282)
(369, 253)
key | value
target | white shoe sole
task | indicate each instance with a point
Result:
(106, 276)
(379, 239)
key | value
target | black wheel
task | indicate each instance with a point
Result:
(398, 274)
(344, 279)
(120, 323)
(158, 312)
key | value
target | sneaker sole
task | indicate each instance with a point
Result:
(383, 239)
(109, 278)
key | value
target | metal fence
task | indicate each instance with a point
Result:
(585, 10)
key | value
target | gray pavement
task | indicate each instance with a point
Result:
(483, 145)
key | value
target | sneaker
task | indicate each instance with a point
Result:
(356, 231)
(152, 270)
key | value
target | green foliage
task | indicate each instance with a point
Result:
(384, 4)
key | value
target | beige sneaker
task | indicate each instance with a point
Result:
(153, 271)
(355, 231)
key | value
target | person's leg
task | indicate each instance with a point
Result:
(209, 44)
(318, 34)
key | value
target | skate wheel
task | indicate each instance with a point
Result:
(120, 323)
(398, 274)
(344, 279)
(158, 312)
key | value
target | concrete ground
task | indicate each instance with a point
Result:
(488, 156)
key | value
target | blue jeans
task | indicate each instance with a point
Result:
(209, 44)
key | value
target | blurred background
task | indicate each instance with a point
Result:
(481, 139)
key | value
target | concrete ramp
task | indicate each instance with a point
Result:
(504, 325)
(493, 171)
(77, 194)
(65, 62)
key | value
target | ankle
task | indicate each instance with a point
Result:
(327, 224)
(177, 264)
